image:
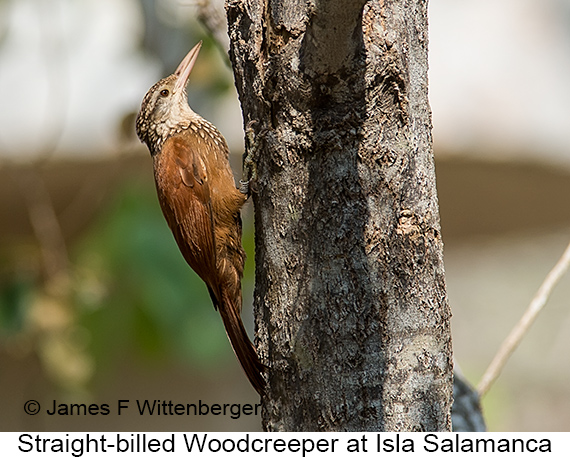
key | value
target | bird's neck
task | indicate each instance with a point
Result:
(179, 121)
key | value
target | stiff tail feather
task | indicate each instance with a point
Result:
(241, 344)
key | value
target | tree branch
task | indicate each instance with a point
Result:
(521, 328)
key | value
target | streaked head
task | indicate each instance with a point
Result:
(165, 105)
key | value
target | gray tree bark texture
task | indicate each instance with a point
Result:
(352, 317)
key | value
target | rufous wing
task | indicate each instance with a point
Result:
(183, 187)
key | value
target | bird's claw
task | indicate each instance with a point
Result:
(245, 187)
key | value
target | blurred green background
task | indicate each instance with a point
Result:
(96, 302)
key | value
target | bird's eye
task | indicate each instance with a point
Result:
(165, 92)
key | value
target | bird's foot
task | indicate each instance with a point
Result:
(246, 187)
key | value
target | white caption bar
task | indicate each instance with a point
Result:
(283, 444)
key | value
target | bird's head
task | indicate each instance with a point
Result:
(165, 106)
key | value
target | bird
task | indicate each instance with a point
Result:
(199, 200)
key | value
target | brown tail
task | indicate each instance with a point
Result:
(241, 344)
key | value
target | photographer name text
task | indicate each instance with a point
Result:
(146, 408)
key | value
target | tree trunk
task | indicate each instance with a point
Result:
(351, 309)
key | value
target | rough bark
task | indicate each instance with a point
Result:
(351, 309)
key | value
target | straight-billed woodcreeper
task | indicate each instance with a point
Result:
(199, 200)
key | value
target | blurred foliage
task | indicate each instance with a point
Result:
(130, 295)
(126, 292)
(15, 292)
(137, 293)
